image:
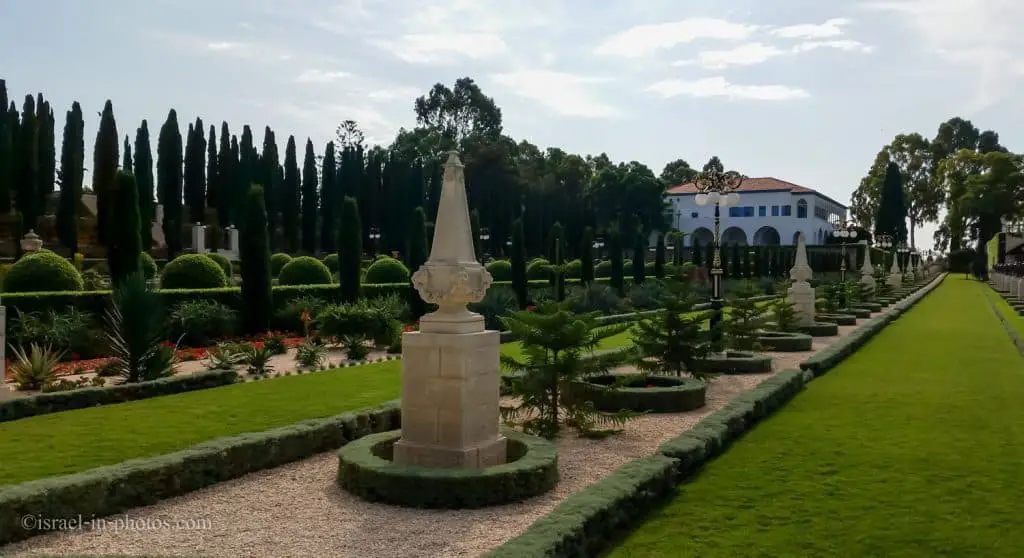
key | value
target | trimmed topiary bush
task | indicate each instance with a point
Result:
(192, 271)
(736, 362)
(221, 261)
(500, 270)
(42, 271)
(603, 269)
(573, 269)
(539, 268)
(387, 270)
(304, 270)
(277, 262)
(147, 265)
(331, 261)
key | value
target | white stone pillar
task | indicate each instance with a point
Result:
(233, 240)
(895, 279)
(199, 238)
(801, 294)
(867, 271)
(450, 367)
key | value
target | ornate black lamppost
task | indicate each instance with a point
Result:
(884, 242)
(845, 232)
(599, 247)
(905, 257)
(716, 186)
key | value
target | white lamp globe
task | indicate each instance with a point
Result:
(714, 197)
(701, 199)
(853, 234)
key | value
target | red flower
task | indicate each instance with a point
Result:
(257, 344)
(408, 328)
(650, 385)
(75, 356)
(531, 308)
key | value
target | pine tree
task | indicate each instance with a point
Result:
(587, 256)
(309, 200)
(221, 192)
(25, 195)
(350, 249)
(329, 201)
(169, 181)
(47, 153)
(104, 172)
(72, 173)
(145, 185)
(673, 342)
(618, 279)
(7, 154)
(290, 197)
(254, 246)
(518, 261)
(194, 174)
(125, 243)
(417, 257)
(659, 257)
(745, 318)
(639, 257)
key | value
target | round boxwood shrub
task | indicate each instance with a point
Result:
(42, 271)
(277, 262)
(500, 270)
(821, 329)
(331, 261)
(785, 342)
(736, 362)
(641, 393)
(573, 269)
(148, 265)
(192, 271)
(387, 270)
(221, 261)
(304, 270)
(538, 269)
(366, 469)
(603, 269)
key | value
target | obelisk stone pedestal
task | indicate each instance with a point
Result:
(801, 294)
(895, 279)
(867, 273)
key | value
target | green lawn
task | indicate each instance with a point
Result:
(912, 447)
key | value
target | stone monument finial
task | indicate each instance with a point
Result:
(801, 270)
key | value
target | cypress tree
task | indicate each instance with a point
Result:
(709, 256)
(28, 167)
(474, 229)
(329, 201)
(736, 265)
(47, 153)
(6, 151)
(234, 160)
(639, 257)
(126, 160)
(269, 167)
(169, 181)
(194, 174)
(254, 246)
(350, 249)
(309, 200)
(72, 173)
(696, 257)
(723, 257)
(557, 257)
(144, 184)
(587, 256)
(246, 173)
(891, 219)
(519, 281)
(290, 197)
(104, 172)
(659, 257)
(212, 170)
(220, 194)
(417, 255)
(125, 243)
(618, 279)
(758, 265)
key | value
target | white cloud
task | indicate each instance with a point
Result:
(841, 44)
(444, 48)
(720, 87)
(314, 75)
(644, 40)
(831, 28)
(742, 55)
(565, 94)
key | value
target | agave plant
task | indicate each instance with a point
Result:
(34, 370)
(257, 359)
(223, 357)
(135, 331)
(310, 354)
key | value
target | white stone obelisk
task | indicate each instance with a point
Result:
(895, 279)
(450, 368)
(867, 273)
(801, 294)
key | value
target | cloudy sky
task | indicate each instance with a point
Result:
(803, 90)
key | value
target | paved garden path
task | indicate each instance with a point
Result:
(912, 447)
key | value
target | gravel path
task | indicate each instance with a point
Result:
(298, 511)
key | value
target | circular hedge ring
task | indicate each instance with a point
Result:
(642, 392)
(859, 313)
(821, 329)
(869, 306)
(838, 319)
(736, 362)
(784, 341)
(366, 470)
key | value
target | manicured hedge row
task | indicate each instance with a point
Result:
(45, 403)
(139, 482)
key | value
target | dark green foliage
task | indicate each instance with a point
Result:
(642, 393)
(736, 262)
(756, 265)
(639, 257)
(290, 197)
(220, 193)
(587, 256)
(659, 257)
(192, 271)
(784, 316)
(539, 269)
(144, 181)
(270, 177)
(194, 175)
(201, 323)
(147, 265)
(72, 173)
(697, 258)
(891, 218)
(603, 270)
(474, 227)
(498, 303)
(556, 272)
(309, 200)
(169, 181)
(47, 152)
(744, 319)
(304, 270)
(255, 255)
(500, 270)
(135, 332)
(7, 151)
(519, 275)
(330, 200)
(330, 260)
(572, 269)
(27, 161)
(672, 342)
(748, 267)
(350, 250)
(278, 261)
(418, 256)
(42, 271)
(618, 277)
(124, 244)
(597, 297)
(387, 270)
(126, 157)
(105, 161)
(709, 256)
(212, 170)
(222, 262)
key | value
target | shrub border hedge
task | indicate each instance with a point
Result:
(859, 313)
(687, 395)
(139, 482)
(736, 362)
(785, 341)
(836, 318)
(375, 479)
(592, 519)
(869, 306)
(821, 329)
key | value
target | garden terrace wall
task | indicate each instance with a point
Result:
(45, 403)
(139, 482)
(589, 521)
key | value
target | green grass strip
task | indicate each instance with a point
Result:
(914, 446)
(1012, 317)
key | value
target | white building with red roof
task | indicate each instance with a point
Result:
(770, 211)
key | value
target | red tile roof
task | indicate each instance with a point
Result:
(763, 184)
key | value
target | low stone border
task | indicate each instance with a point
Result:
(821, 329)
(366, 470)
(667, 394)
(869, 306)
(736, 362)
(785, 342)
(838, 319)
